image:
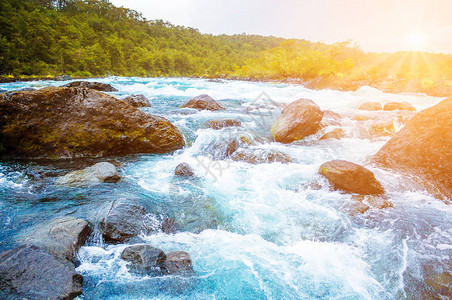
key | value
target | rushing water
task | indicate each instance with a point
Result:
(253, 231)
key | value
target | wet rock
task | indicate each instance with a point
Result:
(233, 145)
(299, 119)
(184, 169)
(2, 91)
(169, 226)
(350, 177)
(371, 106)
(100, 172)
(125, 219)
(260, 156)
(423, 147)
(71, 122)
(219, 124)
(203, 102)
(337, 133)
(329, 114)
(144, 259)
(178, 263)
(137, 101)
(29, 89)
(399, 106)
(382, 128)
(62, 236)
(103, 87)
(28, 272)
(62, 78)
(376, 201)
(440, 284)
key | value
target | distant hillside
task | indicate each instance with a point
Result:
(95, 38)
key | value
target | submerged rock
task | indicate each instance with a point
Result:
(71, 122)
(382, 128)
(299, 119)
(371, 106)
(144, 259)
(203, 102)
(178, 263)
(125, 219)
(337, 133)
(100, 172)
(351, 177)
(103, 87)
(184, 169)
(137, 101)
(259, 156)
(423, 147)
(399, 106)
(34, 273)
(219, 124)
(62, 236)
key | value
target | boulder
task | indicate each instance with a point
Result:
(299, 119)
(337, 133)
(350, 177)
(260, 156)
(137, 101)
(144, 259)
(98, 86)
(399, 106)
(62, 78)
(124, 220)
(28, 272)
(219, 124)
(184, 169)
(178, 263)
(371, 106)
(100, 172)
(66, 122)
(62, 236)
(203, 102)
(423, 147)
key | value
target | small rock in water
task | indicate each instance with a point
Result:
(62, 78)
(399, 106)
(144, 259)
(298, 120)
(203, 102)
(184, 169)
(219, 124)
(100, 172)
(29, 89)
(382, 128)
(62, 236)
(261, 156)
(125, 219)
(137, 101)
(371, 106)
(337, 133)
(169, 226)
(28, 272)
(375, 201)
(103, 87)
(351, 177)
(178, 263)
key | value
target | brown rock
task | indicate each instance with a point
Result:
(350, 177)
(219, 124)
(299, 119)
(137, 101)
(371, 106)
(399, 106)
(203, 102)
(337, 133)
(423, 147)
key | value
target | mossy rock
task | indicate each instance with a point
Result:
(61, 122)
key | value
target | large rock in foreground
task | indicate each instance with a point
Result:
(351, 177)
(28, 272)
(74, 122)
(62, 236)
(203, 102)
(423, 147)
(103, 87)
(299, 119)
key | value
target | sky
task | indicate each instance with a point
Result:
(376, 25)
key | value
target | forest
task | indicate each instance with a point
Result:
(85, 38)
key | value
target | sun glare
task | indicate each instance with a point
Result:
(416, 41)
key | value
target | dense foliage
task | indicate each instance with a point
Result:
(95, 38)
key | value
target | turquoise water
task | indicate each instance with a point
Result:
(253, 231)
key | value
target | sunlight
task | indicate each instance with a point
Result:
(416, 41)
